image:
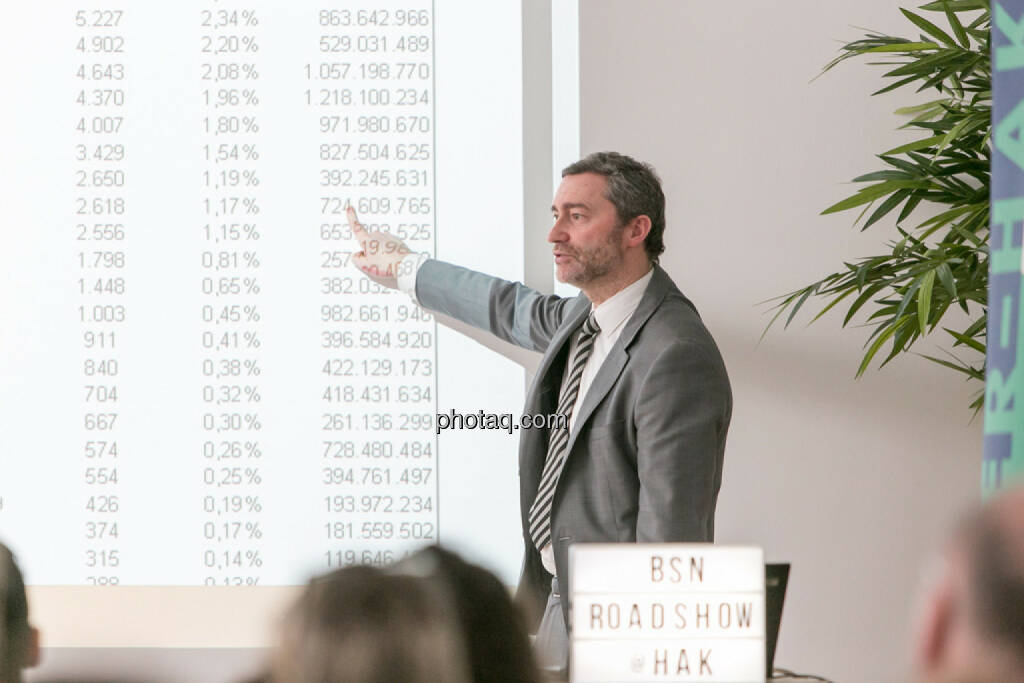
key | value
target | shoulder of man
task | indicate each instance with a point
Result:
(675, 318)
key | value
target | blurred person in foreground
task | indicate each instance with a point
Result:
(496, 642)
(363, 625)
(97, 678)
(19, 641)
(972, 626)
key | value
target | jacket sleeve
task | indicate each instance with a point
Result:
(510, 310)
(682, 415)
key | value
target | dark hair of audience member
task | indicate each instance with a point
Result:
(90, 679)
(17, 646)
(996, 583)
(362, 625)
(496, 640)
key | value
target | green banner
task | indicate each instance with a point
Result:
(1004, 364)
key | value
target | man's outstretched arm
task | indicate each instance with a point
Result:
(510, 310)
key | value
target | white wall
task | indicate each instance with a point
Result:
(854, 482)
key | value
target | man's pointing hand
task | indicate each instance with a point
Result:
(380, 253)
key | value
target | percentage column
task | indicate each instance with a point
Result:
(231, 450)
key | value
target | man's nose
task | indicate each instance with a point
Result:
(557, 232)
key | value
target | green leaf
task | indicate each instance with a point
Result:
(888, 205)
(923, 116)
(924, 301)
(956, 5)
(860, 301)
(953, 133)
(797, 305)
(964, 340)
(976, 327)
(832, 304)
(908, 207)
(787, 300)
(905, 336)
(945, 275)
(919, 107)
(946, 216)
(897, 84)
(902, 47)
(908, 296)
(919, 144)
(850, 202)
(869, 194)
(958, 28)
(882, 175)
(970, 237)
(923, 66)
(972, 373)
(873, 349)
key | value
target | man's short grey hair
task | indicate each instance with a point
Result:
(635, 190)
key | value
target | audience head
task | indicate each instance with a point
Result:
(94, 679)
(363, 625)
(19, 642)
(972, 628)
(496, 641)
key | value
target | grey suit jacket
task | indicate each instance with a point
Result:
(644, 459)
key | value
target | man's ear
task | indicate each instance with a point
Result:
(935, 627)
(637, 230)
(32, 648)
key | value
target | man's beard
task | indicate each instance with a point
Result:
(595, 262)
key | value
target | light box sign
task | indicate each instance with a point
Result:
(667, 612)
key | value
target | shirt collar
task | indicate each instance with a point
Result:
(614, 311)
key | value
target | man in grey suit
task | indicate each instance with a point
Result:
(628, 361)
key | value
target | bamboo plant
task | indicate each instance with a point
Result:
(934, 264)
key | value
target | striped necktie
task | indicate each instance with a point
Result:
(540, 511)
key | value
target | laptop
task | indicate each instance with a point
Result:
(776, 576)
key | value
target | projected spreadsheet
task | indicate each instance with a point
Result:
(198, 387)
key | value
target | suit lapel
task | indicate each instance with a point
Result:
(602, 384)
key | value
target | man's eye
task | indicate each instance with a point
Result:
(577, 216)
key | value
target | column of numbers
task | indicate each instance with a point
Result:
(101, 229)
(370, 93)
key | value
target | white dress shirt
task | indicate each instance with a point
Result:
(611, 316)
(407, 270)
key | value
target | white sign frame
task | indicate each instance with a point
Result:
(644, 612)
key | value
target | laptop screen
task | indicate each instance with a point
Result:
(776, 576)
